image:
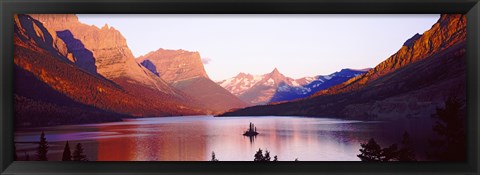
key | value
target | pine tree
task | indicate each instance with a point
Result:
(214, 159)
(259, 155)
(78, 153)
(370, 151)
(67, 155)
(406, 153)
(266, 157)
(42, 148)
(450, 126)
(390, 153)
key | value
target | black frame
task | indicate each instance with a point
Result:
(10, 7)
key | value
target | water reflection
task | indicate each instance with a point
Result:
(251, 138)
(194, 138)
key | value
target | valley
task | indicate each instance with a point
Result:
(76, 83)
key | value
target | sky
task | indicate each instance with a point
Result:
(297, 45)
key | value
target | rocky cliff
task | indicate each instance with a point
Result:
(174, 65)
(101, 50)
(184, 70)
(51, 88)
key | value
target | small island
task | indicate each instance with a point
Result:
(252, 130)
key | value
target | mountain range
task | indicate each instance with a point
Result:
(67, 72)
(83, 74)
(411, 83)
(276, 87)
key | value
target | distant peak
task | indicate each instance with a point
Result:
(275, 71)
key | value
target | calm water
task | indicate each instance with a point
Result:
(195, 137)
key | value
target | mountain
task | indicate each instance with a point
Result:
(276, 87)
(240, 83)
(102, 51)
(257, 89)
(184, 70)
(446, 32)
(311, 85)
(174, 65)
(411, 83)
(66, 91)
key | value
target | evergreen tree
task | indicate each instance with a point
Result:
(406, 153)
(42, 148)
(390, 153)
(67, 155)
(266, 157)
(275, 158)
(78, 153)
(259, 155)
(450, 126)
(296, 160)
(370, 151)
(214, 159)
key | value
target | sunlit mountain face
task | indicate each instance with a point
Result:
(276, 87)
(185, 71)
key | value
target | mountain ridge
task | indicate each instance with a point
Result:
(411, 83)
(184, 70)
(47, 66)
(449, 28)
(275, 87)
(256, 89)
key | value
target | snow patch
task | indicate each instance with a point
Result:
(270, 82)
(294, 83)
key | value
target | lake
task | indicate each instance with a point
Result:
(194, 138)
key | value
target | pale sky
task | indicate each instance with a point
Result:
(298, 45)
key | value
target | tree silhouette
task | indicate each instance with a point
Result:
(42, 148)
(78, 153)
(406, 153)
(389, 154)
(450, 127)
(67, 155)
(275, 158)
(296, 160)
(259, 156)
(266, 157)
(214, 159)
(370, 151)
